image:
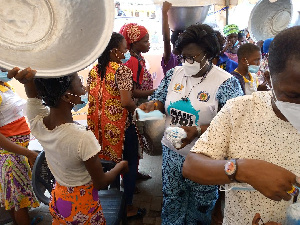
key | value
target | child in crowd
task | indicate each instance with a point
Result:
(248, 65)
(71, 150)
(137, 38)
(16, 193)
(222, 59)
(231, 33)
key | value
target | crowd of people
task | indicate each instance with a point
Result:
(237, 102)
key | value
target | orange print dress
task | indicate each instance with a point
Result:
(106, 116)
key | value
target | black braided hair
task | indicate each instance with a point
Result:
(103, 60)
(246, 50)
(203, 36)
(285, 46)
(50, 90)
(175, 35)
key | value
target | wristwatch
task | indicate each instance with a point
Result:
(230, 169)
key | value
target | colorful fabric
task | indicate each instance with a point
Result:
(232, 56)
(133, 32)
(15, 178)
(184, 201)
(11, 105)
(106, 116)
(231, 29)
(266, 45)
(17, 127)
(226, 64)
(76, 205)
(142, 77)
(173, 61)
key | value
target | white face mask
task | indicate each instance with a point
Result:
(291, 111)
(193, 69)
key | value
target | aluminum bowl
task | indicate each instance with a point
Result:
(55, 37)
(181, 17)
(268, 18)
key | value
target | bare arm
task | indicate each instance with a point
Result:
(17, 149)
(166, 31)
(100, 179)
(127, 101)
(271, 180)
(142, 93)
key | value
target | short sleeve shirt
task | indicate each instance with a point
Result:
(247, 127)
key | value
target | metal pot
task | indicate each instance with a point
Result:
(55, 37)
(268, 18)
(180, 17)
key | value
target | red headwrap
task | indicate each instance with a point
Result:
(132, 33)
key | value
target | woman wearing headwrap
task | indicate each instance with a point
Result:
(231, 33)
(137, 38)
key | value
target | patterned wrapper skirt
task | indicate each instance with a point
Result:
(15, 178)
(76, 205)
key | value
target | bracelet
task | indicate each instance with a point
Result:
(199, 130)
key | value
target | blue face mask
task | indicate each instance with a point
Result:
(84, 100)
(3, 76)
(127, 57)
(253, 68)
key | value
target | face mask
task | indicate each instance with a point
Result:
(236, 43)
(253, 68)
(84, 100)
(193, 69)
(289, 110)
(3, 76)
(127, 57)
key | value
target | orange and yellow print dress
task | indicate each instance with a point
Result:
(106, 116)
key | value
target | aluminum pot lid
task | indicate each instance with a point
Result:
(268, 18)
(54, 37)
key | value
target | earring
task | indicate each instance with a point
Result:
(117, 56)
(247, 62)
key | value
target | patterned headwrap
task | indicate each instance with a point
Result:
(132, 33)
(230, 29)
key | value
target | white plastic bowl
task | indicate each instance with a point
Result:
(55, 37)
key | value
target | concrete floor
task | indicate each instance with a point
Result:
(150, 196)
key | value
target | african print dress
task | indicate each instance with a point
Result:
(15, 173)
(106, 116)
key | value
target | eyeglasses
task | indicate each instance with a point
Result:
(190, 60)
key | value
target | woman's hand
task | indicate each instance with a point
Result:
(269, 179)
(166, 6)
(191, 134)
(124, 166)
(23, 76)
(32, 157)
(257, 218)
(149, 106)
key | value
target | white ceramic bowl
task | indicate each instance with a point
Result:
(55, 37)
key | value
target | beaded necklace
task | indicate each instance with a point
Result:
(202, 79)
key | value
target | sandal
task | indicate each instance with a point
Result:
(36, 220)
(140, 214)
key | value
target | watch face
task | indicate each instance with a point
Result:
(230, 168)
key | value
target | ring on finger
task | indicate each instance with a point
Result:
(294, 191)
